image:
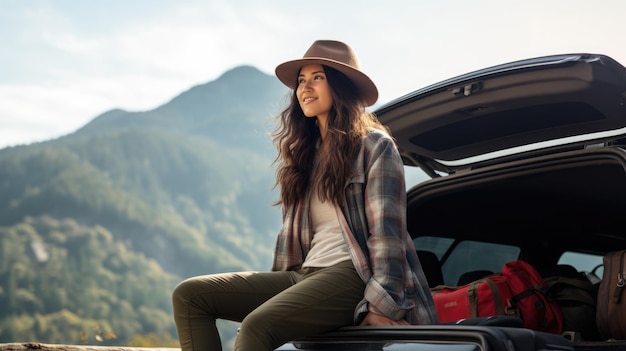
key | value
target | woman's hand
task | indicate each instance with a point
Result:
(375, 319)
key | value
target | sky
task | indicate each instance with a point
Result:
(64, 62)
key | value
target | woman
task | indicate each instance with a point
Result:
(343, 256)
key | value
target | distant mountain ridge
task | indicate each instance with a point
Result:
(187, 185)
(242, 100)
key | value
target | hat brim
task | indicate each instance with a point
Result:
(287, 73)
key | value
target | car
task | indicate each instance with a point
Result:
(520, 161)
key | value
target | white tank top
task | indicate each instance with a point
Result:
(328, 246)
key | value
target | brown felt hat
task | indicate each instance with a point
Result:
(337, 55)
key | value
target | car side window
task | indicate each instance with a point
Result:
(414, 176)
(474, 256)
(583, 262)
(467, 256)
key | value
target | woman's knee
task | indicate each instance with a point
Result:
(257, 320)
(184, 291)
(260, 330)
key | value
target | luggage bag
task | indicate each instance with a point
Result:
(611, 303)
(517, 291)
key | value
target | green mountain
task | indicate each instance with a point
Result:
(97, 227)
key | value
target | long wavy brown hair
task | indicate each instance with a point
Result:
(296, 137)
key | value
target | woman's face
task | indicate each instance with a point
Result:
(313, 92)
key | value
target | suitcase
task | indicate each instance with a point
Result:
(611, 303)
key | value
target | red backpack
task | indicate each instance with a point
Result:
(517, 291)
(536, 309)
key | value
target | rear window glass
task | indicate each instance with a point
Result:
(507, 125)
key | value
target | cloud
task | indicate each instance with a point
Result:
(66, 62)
(65, 71)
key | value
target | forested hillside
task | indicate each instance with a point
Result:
(98, 226)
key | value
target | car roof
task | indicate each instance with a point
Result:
(510, 110)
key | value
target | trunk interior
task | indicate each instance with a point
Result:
(547, 205)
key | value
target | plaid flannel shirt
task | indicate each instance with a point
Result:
(373, 221)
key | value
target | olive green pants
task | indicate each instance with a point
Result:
(273, 307)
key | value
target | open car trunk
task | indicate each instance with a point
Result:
(512, 111)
